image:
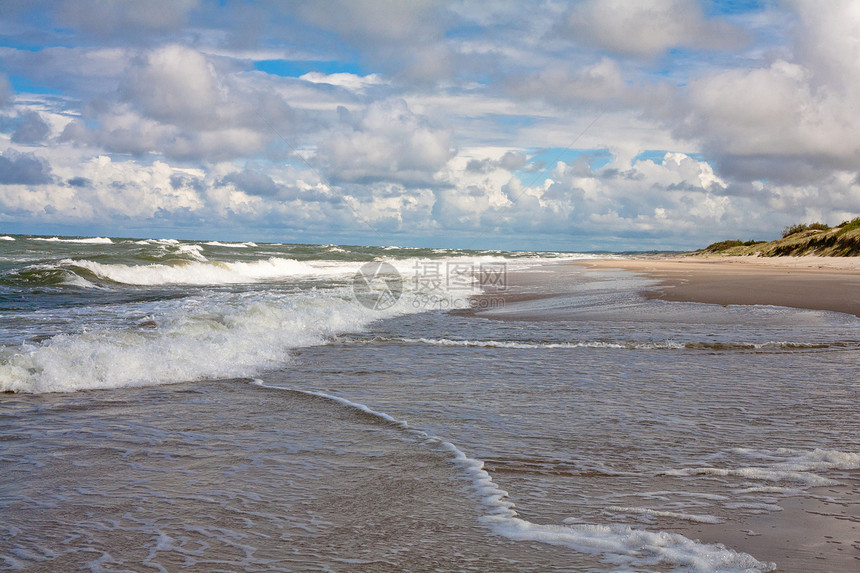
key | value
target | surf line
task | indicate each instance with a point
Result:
(618, 544)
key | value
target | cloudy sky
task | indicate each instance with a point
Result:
(610, 124)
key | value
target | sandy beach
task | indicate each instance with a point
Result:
(818, 283)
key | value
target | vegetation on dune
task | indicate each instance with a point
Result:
(795, 229)
(842, 240)
(849, 225)
(726, 245)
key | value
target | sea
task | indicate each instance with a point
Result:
(171, 405)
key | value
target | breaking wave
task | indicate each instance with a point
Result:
(219, 337)
(83, 241)
(210, 273)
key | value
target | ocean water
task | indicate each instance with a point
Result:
(208, 406)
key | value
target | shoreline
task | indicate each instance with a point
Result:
(813, 283)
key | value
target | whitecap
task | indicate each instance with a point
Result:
(211, 273)
(230, 245)
(216, 337)
(84, 241)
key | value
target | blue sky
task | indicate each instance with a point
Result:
(581, 125)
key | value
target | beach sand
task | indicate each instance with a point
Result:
(817, 283)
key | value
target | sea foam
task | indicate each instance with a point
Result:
(230, 245)
(204, 272)
(784, 465)
(211, 273)
(85, 241)
(619, 544)
(221, 336)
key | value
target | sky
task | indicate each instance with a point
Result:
(537, 125)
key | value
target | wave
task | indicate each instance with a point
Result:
(205, 272)
(45, 275)
(211, 273)
(660, 345)
(83, 241)
(523, 345)
(619, 544)
(6, 238)
(222, 336)
(193, 251)
(157, 242)
(783, 465)
(231, 245)
(695, 518)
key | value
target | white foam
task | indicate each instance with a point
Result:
(752, 507)
(768, 474)
(204, 272)
(211, 273)
(784, 465)
(696, 518)
(217, 337)
(230, 245)
(6, 238)
(157, 242)
(618, 544)
(86, 241)
(193, 251)
(71, 279)
(805, 460)
(537, 345)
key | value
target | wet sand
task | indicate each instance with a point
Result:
(817, 283)
(809, 534)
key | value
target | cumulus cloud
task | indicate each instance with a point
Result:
(84, 71)
(403, 38)
(561, 84)
(350, 82)
(23, 169)
(510, 161)
(788, 119)
(386, 141)
(31, 129)
(647, 28)
(253, 183)
(174, 85)
(175, 101)
(124, 18)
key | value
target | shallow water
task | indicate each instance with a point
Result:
(590, 431)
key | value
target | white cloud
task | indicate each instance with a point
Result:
(125, 18)
(175, 85)
(562, 85)
(789, 118)
(350, 82)
(647, 28)
(387, 142)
